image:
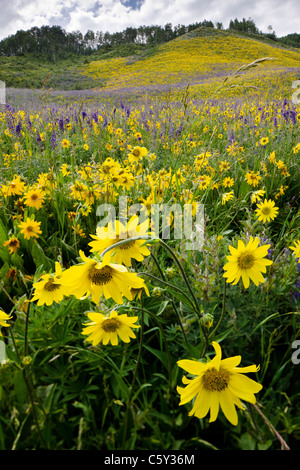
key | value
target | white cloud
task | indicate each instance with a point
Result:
(114, 15)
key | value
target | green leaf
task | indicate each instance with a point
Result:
(122, 386)
(4, 254)
(11, 355)
(139, 390)
(193, 350)
(223, 335)
(3, 233)
(161, 355)
(46, 394)
(270, 317)
(40, 258)
(247, 442)
(264, 445)
(162, 307)
(20, 387)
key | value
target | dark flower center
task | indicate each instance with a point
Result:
(246, 261)
(266, 210)
(215, 380)
(14, 242)
(125, 245)
(101, 276)
(110, 325)
(50, 286)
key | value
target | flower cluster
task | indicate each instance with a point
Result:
(98, 276)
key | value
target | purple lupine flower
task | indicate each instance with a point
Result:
(286, 115)
(296, 294)
(293, 116)
(179, 131)
(9, 108)
(53, 140)
(18, 128)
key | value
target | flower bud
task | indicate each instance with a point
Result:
(207, 320)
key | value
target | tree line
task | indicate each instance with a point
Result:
(53, 42)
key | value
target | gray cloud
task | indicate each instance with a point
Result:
(8, 18)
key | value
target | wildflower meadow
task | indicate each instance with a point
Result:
(150, 254)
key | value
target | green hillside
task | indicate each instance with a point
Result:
(192, 58)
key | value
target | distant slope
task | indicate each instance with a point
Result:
(194, 57)
(199, 57)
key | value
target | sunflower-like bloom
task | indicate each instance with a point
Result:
(65, 143)
(252, 178)
(137, 153)
(13, 244)
(30, 228)
(227, 196)
(296, 249)
(95, 278)
(266, 210)
(247, 262)
(49, 289)
(113, 233)
(34, 198)
(4, 319)
(14, 187)
(107, 329)
(256, 195)
(219, 382)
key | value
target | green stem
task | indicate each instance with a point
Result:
(27, 384)
(172, 300)
(26, 329)
(165, 342)
(183, 274)
(223, 311)
(122, 242)
(128, 404)
(146, 237)
(284, 445)
(167, 284)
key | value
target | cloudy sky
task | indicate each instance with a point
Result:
(117, 15)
